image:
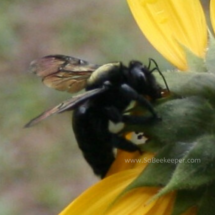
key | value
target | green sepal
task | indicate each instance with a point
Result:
(197, 169)
(185, 132)
(186, 199)
(195, 63)
(183, 120)
(209, 58)
(185, 115)
(160, 168)
(189, 84)
(206, 204)
(184, 84)
(155, 174)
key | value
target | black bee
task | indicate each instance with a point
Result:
(109, 90)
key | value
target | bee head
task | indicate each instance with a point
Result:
(142, 80)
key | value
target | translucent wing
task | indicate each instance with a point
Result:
(70, 104)
(62, 72)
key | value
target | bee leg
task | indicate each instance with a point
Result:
(122, 143)
(115, 116)
(131, 94)
(139, 120)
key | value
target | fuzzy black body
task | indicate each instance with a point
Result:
(90, 120)
(90, 125)
(109, 90)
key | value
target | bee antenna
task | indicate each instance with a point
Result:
(157, 68)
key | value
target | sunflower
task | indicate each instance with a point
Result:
(175, 174)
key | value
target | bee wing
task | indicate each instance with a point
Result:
(69, 104)
(62, 72)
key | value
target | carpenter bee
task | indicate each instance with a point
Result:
(109, 90)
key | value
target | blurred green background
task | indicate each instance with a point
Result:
(41, 168)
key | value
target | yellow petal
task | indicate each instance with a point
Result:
(135, 203)
(212, 13)
(127, 160)
(97, 199)
(168, 24)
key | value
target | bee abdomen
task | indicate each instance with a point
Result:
(89, 129)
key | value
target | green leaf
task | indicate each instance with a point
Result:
(210, 59)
